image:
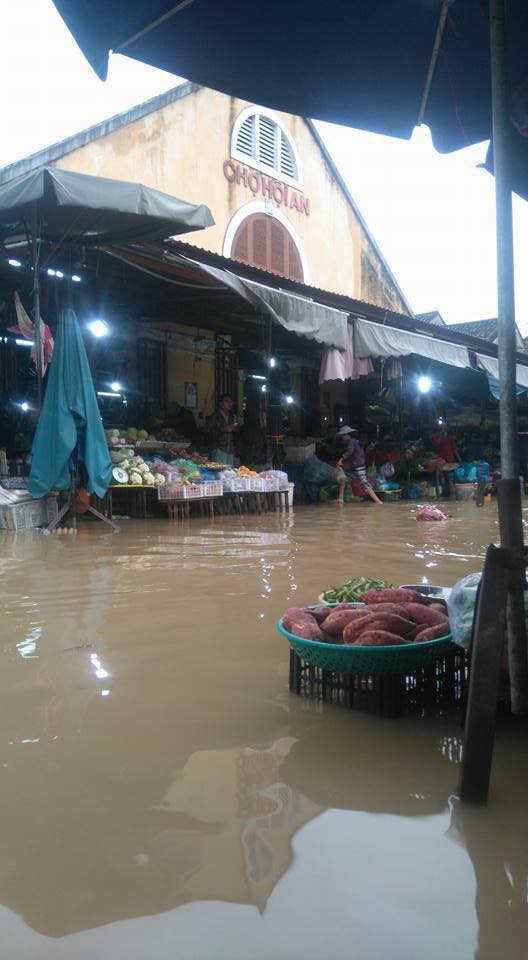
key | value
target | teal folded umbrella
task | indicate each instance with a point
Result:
(70, 419)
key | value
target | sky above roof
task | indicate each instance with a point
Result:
(432, 215)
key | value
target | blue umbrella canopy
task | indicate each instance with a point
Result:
(69, 419)
(382, 66)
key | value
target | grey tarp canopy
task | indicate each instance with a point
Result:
(491, 366)
(76, 206)
(297, 314)
(378, 340)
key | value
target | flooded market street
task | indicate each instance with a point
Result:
(164, 795)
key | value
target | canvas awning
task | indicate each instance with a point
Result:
(490, 365)
(299, 315)
(81, 207)
(378, 340)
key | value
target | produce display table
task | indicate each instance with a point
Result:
(134, 501)
(247, 502)
(129, 499)
(252, 502)
(183, 509)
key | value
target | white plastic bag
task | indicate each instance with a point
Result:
(461, 608)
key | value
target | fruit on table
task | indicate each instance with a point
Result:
(142, 434)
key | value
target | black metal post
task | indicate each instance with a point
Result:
(509, 496)
(35, 241)
(488, 642)
(511, 526)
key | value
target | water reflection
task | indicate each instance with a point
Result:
(163, 794)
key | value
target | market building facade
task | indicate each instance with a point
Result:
(279, 203)
(278, 200)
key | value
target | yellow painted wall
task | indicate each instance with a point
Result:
(183, 366)
(181, 148)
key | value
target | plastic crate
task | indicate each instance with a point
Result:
(431, 690)
(28, 514)
(298, 451)
(465, 491)
(180, 491)
(212, 488)
(390, 496)
(272, 484)
(258, 485)
(236, 484)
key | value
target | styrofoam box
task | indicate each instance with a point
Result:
(28, 514)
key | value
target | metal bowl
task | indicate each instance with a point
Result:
(428, 590)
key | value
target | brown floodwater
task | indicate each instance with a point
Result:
(164, 796)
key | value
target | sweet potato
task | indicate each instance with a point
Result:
(392, 595)
(338, 620)
(301, 624)
(306, 630)
(425, 615)
(293, 612)
(354, 628)
(378, 638)
(440, 607)
(433, 633)
(389, 622)
(388, 608)
(319, 614)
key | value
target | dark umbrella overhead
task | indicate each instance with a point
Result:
(382, 66)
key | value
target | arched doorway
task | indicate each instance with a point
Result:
(263, 241)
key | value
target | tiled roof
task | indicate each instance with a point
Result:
(432, 316)
(484, 329)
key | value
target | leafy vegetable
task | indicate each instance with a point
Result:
(352, 590)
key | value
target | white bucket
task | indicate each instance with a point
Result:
(291, 488)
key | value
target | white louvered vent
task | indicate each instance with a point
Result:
(260, 139)
(288, 166)
(246, 137)
(267, 142)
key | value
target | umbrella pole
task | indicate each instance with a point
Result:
(504, 572)
(36, 300)
(510, 508)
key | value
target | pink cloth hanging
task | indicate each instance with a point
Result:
(393, 369)
(342, 364)
(26, 329)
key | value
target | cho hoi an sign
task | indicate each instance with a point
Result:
(261, 185)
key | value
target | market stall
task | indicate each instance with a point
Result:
(158, 477)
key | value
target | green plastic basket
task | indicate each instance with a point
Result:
(339, 658)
